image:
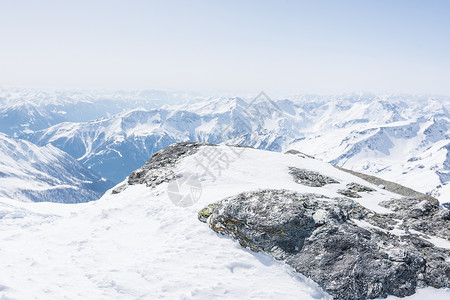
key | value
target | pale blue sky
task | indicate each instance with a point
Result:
(281, 47)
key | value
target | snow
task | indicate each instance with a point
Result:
(426, 293)
(138, 244)
(436, 241)
(367, 225)
(375, 134)
(252, 169)
(27, 168)
(134, 245)
(411, 153)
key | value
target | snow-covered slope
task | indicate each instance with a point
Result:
(32, 173)
(139, 244)
(22, 110)
(397, 137)
(115, 146)
(413, 153)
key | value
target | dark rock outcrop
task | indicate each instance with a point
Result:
(298, 153)
(350, 251)
(392, 186)
(344, 247)
(349, 193)
(159, 168)
(356, 187)
(310, 178)
(353, 189)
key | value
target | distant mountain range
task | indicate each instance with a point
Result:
(24, 110)
(29, 172)
(414, 153)
(401, 138)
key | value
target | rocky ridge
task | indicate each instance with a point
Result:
(159, 168)
(351, 251)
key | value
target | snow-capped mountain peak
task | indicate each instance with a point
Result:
(29, 172)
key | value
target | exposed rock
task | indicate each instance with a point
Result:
(296, 152)
(353, 188)
(392, 186)
(204, 214)
(159, 168)
(241, 146)
(356, 187)
(310, 178)
(420, 215)
(348, 193)
(120, 188)
(344, 247)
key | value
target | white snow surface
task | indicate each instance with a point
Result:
(138, 244)
(245, 169)
(401, 138)
(32, 173)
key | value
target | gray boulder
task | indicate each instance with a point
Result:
(159, 168)
(310, 178)
(321, 238)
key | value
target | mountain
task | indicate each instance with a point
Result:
(24, 110)
(146, 237)
(32, 173)
(414, 153)
(397, 137)
(115, 146)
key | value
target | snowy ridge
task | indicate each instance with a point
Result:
(368, 133)
(138, 244)
(32, 173)
(23, 110)
(129, 138)
(404, 152)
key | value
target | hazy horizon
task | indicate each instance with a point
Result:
(232, 47)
